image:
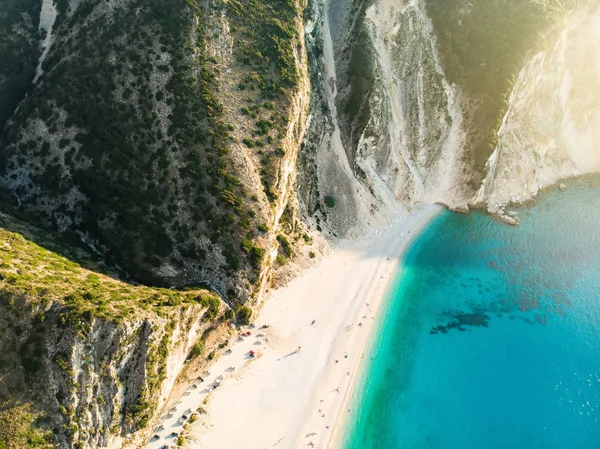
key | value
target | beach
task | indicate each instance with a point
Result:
(295, 392)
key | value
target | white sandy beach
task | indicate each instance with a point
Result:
(283, 395)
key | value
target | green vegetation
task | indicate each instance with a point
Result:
(19, 52)
(285, 250)
(45, 276)
(255, 253)
(244, 315)
(265, 35)
(137, 151)
(270, 27)
(482, 46)
(285, 244)
(154, 181)
(197, 349)
(20, 428)
(329, 201)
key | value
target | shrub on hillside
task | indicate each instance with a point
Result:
(244, 315)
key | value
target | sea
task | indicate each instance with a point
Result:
(489, 336)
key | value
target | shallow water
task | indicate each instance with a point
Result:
(490, 337)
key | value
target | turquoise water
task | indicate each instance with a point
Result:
(490, 337)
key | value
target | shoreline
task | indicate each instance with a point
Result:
(288, 398)
(337, 435)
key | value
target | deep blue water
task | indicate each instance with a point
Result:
(490, 336)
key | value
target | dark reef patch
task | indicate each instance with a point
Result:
(461, 321)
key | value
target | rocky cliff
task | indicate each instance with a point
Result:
(92, 357)
(385, 129)
(419, 101)
(552, 128)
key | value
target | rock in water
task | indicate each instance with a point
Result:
(464, 209)
(513, 221)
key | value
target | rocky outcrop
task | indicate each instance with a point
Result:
(387, 130)
(103, 380)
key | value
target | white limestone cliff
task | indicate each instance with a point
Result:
(552, 128)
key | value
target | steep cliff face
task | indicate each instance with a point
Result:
(552, 128)
(408, 100)
(101, 381)
(268, 109)
(95, 357)
(163, 136)
(385, 126)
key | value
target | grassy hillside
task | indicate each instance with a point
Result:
(21, 428)
(43, 276)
